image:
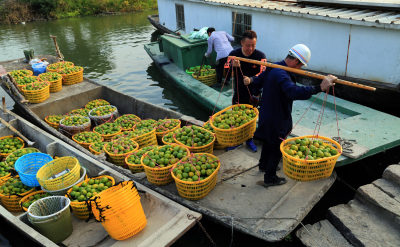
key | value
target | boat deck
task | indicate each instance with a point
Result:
(166, 220)
(269, 214)
(372, 130)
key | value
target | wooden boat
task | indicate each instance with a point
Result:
(166, 220)
(236, 201)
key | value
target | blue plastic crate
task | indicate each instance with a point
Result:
(28, 165)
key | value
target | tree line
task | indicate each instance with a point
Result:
(16, 11)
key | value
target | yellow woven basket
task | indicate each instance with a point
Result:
(235, 136)
(217, 145)
(55, 167)
(55, 85)
(135, 168)
(37, 96)
(11, 202)
(82, 209)
(119, 159)
(209, 148)
(107, 137)
(309, 170)
(160, 134)
(208, 79)
(159, 176)
(73, 78)
(60, 65)
(147, 139)
(197, 189)
(4, 155)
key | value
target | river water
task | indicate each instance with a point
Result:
(110, 48)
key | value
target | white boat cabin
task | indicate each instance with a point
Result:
(352, 38)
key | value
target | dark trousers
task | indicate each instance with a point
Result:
(219, 69)
(269, 160)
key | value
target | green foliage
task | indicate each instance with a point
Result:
(70, 8)
(44, 7)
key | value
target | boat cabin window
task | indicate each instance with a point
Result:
(240, 23)
(180, 17)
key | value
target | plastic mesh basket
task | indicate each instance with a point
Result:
(238, 135)
(159, 175)
(197, 189)
(66, 168)
(120, 211)
(309, 170)
(28, 165)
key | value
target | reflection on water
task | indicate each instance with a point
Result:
(110, 48)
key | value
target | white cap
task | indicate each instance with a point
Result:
(301, 52)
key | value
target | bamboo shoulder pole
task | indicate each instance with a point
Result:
(302, 72)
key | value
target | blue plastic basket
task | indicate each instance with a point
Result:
(28, 165)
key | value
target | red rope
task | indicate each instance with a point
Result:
(222, 87)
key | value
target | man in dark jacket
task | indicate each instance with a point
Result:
(243, 94)
(275, 119)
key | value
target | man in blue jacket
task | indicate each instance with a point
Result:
(275, 119)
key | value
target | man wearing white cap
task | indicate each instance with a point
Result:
(275, 119)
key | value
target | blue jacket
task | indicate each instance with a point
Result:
(279, 91)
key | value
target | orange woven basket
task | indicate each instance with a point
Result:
(4, 155)
(120, 211)
(52, 124)
(307, 169)
(11, 202)
(37, 96)
(59, 65)
(87, 144)
(160, 175)
(73, 78)
(197, 189)
(55, 85)
(25, 198)
(235, 136)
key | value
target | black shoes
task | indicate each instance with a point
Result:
(274, 181)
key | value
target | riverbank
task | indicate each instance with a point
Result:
(20, 11)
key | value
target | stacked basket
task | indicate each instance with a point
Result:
(120, 211)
